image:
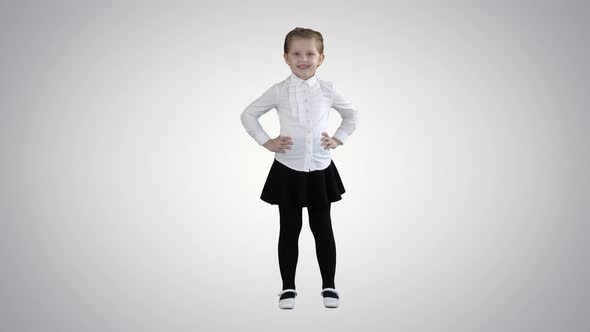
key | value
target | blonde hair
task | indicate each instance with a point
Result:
(304, 33)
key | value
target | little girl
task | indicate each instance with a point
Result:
(303, 173)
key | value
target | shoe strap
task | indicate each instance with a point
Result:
(287, 290)
(329, 289)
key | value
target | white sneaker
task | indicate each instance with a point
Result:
(288, 303)
(330, 302)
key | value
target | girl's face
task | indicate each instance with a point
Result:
(303, 57)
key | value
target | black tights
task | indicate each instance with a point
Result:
(321, 227)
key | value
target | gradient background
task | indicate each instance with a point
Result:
(129, 190)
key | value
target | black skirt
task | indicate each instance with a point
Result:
(289, 187)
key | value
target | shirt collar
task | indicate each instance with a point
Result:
(297, 81)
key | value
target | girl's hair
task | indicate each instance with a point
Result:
(304, 33)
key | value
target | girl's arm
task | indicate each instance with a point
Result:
(250, 115)
(350, 116)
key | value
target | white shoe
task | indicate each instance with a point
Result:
(288, 303)
(330, 302)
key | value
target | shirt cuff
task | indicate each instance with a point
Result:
(341, 136)
(262, 138)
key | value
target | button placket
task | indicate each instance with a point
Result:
(308, 122)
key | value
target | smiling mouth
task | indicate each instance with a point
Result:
(302, 67)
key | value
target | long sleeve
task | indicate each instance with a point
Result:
(250, 115)
(350, 116)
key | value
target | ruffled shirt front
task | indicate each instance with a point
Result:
(303, 108)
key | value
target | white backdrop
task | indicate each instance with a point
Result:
(129, 190)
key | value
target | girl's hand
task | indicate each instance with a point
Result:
(329, 142)
(279, 144)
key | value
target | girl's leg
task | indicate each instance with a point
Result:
(291, 221)
(321, 227)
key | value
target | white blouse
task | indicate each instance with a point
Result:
(303, 107)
